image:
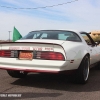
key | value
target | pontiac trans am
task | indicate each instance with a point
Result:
(51, 51)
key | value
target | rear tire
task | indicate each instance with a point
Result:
(83, 71)
(17, 74)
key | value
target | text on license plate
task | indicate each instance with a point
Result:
(26, 55)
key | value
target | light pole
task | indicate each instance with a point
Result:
(9, 35)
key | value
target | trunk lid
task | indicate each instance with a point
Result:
(37, 44)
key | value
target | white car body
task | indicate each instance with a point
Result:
(73, 53)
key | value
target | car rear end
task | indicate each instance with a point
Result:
(33, 57)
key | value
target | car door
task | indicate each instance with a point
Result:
(96, 47)
(93, 54)
(98, 52)
(92, 48)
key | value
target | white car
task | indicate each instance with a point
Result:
(51, 51)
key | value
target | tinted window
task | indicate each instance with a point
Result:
(56, 35)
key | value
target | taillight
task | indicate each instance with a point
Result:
(8, 53)
(5, 53)
(50, 55)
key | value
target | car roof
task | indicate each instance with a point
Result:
(76, 31)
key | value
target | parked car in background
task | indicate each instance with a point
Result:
(51, 51)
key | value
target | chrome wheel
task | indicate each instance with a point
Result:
(82, 74)
(86, 69)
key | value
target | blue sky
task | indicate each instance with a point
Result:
(80, 15)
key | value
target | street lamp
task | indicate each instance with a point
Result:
(9, 35)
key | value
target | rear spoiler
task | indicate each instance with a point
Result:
(28, 43)
(1, 43)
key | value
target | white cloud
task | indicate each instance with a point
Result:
(82, 15)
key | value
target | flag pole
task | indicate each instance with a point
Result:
(9, 35)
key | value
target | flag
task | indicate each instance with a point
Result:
(16, 35)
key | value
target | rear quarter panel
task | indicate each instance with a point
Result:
(75, 51)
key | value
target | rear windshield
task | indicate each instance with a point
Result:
(55, 35)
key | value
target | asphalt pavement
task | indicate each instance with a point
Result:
(48, 87)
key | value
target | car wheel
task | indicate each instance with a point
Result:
(17, 74)
(83, 71)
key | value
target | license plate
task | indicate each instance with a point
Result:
(26, 55)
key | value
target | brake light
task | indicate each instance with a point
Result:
(50, 55)
(5, 53)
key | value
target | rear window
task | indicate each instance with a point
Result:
(55, 35)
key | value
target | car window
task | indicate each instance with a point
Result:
(36, 35)
(56, 35)
(44, 36)
(87, 39)
(62, 36)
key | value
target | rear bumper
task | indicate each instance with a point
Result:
(36, 65)
(67, 72)
(29, 70)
